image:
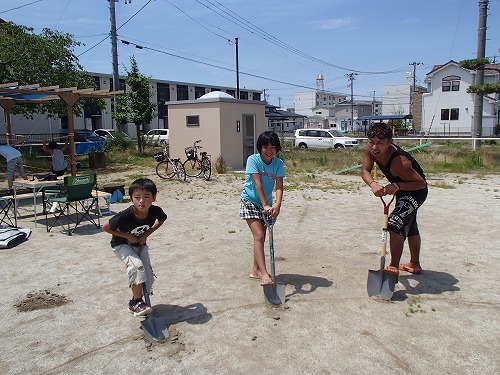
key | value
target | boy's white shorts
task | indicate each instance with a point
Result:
(137, 263)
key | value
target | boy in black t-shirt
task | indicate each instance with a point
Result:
(130, 229)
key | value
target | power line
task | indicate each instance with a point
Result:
(20, 6)
(233, 17)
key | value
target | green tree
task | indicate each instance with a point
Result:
(134, 106)
(480, 64)
(46, 59)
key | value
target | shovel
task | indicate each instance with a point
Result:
(274, 293)
(381, 283)
(155, 329)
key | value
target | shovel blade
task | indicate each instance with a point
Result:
(381, 284)
(155, 329)
(274, 293)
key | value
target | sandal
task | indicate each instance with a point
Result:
(266, 282)
(408, 268)
(392, 270)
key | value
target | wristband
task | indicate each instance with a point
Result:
(370, 184)
(397, 186)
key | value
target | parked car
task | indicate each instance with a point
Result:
(323, 138)
(158, 135)
(82, 135)
(105, 133)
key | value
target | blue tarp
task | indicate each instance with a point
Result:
(83, 148)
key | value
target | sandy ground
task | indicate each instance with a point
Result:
(444, 321)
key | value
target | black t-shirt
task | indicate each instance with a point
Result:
(126, 221)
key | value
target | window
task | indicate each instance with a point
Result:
(182, 92)
(256, 96)
(451, 83)
(193, 120)
(231, 92)
(163, 92)
(244, 95)
(449, 114)
(198, 91)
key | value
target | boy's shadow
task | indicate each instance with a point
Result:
(195, 313)
(428, 282)
(303, 284)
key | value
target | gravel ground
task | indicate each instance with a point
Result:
(64, 309)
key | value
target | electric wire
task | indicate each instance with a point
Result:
(20, 6)
(118, 28)
(233, 17)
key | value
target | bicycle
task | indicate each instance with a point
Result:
(194, 166)
(168, 168)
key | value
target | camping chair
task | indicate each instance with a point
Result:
(74, 203)
(7, 204)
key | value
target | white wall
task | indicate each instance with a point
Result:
(436, 99)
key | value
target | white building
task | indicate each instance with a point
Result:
(396, 99)
(305, 102)
(448, 109)
(162, 93)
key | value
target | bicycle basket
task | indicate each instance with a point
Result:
(159, 156)
(190, 152)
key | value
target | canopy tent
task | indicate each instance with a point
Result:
(12, 94)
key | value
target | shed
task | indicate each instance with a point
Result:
(226, 126)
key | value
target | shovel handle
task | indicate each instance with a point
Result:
(386, 205)
(383, 247)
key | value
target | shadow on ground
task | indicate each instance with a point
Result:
(195, 313)
(428, 282)
(303, 284)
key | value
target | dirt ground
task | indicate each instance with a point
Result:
(64, 302)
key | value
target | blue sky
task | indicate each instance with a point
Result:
(283, 45)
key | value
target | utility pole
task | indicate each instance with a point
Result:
(412, 93)
(350, 77)
(237, 71)
(114, 49)
(478, 99)
(279, 101)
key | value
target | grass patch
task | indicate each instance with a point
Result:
(414, 306)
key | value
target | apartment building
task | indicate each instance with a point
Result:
(162, 93)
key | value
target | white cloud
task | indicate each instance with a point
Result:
(335, 23)
(408, 21)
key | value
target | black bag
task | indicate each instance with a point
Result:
(159, 156)
(47, 177)
(189, 152)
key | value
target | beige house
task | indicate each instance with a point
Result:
(226, 126)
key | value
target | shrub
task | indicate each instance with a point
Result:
(221, 165)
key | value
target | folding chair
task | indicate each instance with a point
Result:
(7, 204)
(74, 203)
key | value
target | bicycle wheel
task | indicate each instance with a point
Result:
(206, 167)
(164, 170)
(192, 168)
(181, 174)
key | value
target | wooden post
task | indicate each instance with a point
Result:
(7, 105)
(70, 99)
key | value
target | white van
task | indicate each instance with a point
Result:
(160, 136)
(322, 138)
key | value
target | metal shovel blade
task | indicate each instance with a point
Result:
(381, 284)
(155, 329)
(274, 293)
